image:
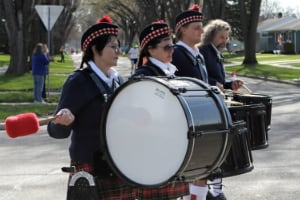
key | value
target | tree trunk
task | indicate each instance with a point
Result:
(14, 17)
(249, 18)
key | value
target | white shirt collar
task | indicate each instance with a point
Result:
(113, 74)
(194, 51)
(168, 68)
(217, 50)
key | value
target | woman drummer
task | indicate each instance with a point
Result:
(79, 113)
(155, 60)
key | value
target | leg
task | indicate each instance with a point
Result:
(198, 190)
(216, 192)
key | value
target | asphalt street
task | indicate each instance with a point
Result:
(30, 166)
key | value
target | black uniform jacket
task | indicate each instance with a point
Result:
(81, 95)
(214, 66)
(185, 63)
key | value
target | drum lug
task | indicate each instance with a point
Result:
(194, 134)
(177, 91)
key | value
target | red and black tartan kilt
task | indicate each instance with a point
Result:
(113, 188)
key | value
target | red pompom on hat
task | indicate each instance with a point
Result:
(102, 27)
(156, 30)
(105, 18)
(195, 7)
(193, 14)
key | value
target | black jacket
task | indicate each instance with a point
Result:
(186, 63)
(214, 66)
(84, 99)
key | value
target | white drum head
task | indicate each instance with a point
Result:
(146, 132)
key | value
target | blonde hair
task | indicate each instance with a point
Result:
(211, 29)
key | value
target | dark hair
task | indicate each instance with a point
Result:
(152, 44)
(100, 43)
(38, 48)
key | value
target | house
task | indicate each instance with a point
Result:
(279, 34)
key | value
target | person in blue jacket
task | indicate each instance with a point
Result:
(40, 61)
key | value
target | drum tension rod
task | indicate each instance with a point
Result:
(193, 134)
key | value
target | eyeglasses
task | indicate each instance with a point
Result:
(116, 48)
(169, 47)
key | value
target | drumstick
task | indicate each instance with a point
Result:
(230, 102)
(244, 86)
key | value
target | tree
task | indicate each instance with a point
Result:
(133, 15)
(249, 15)
(24, 29)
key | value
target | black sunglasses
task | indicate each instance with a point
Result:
(169, 47)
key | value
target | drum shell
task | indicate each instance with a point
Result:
(257, 98)
(203, 132)
(254, 115)
(239, 159)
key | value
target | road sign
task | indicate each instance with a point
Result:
(49, 14)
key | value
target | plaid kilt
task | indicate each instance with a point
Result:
(113, 188)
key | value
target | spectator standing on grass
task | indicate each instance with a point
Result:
(39, 70)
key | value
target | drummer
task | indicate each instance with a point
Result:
(154, 60)
(190, 63)
(80, 108)
(213, 41)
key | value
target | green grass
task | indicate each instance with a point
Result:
(41, 110)
(57, 73)
(20, 89)
(19, 96)
(265, 71)
(4, 60)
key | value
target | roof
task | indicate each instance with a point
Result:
(279, 24)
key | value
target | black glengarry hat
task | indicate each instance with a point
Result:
(193, 14)
(102, 27)
(154, 31)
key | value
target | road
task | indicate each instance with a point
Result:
(30, 166)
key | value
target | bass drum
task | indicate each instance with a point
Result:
(159, 130)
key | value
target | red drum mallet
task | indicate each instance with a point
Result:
(23, 124)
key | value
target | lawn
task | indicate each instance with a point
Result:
(264, 67)
(16, 89)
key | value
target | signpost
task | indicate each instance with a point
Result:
(49, 15)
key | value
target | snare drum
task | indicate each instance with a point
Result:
(239, 159)
(249, 99)
(159, 130)
(254, 115)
